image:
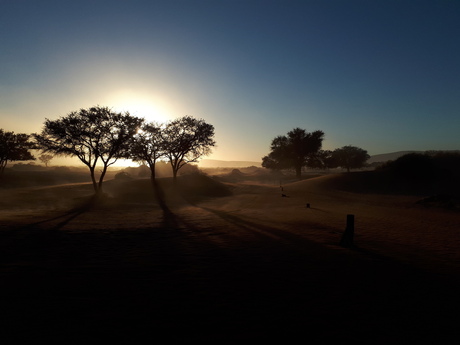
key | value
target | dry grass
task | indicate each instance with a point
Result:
(227, 262)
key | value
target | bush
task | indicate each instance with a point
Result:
(123, 176)
(447, 164)
(432, 172)
(189, 169)
(413, 166)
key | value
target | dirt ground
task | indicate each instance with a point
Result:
(232, 263)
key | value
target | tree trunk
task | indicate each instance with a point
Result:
(101, 179)
(152, 172)
(93, 179)
(155, 187)
(298, 172)
(175, 169)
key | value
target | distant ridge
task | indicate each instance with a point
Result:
(213, 163)
(385, 157)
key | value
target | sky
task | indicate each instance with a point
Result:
(380, 75)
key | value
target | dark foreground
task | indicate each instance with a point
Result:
(174, 285)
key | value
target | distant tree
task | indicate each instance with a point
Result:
(95, 136)
(297, 149)
(349, 157)
(45, 159)
(14, 147)
(322, 160)
(148, 146)
(186, 139)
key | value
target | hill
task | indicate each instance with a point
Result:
(212, 163)
(385, 157)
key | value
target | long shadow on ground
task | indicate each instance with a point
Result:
(170, 285)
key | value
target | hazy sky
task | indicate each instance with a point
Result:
(381, 75)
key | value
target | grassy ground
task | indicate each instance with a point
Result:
(226, 263)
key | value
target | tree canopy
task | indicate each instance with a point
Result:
(14, 147)
(350, 157)
(186, 139)
(148, 146)
(45, 158)
(95, 136)
(295, 150)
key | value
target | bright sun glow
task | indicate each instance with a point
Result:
(142, 104)
(149, 107)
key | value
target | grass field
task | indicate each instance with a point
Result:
(227, 262)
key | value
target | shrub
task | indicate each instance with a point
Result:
(122, 176)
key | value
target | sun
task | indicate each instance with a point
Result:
(148, 105)
(151, 107)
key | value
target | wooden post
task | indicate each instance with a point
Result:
(347, 237)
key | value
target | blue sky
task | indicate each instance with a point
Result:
(381, 75)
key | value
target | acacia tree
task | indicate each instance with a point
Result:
(14, 147)
(95, 136)
(350, 157)
(186, 139)
(45, 159)
(148, 146)
(295, 150)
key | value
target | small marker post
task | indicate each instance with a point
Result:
(348, 235)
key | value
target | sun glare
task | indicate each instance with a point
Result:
(151, 108)
(142, 104)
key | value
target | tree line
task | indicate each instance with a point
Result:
(99, 137)
(300, 148)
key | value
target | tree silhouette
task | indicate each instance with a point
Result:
(14, 147)
(323, 159)
(148, 146)
(294, 151)
(95, 136)
(186, 140)
(45, 159)
(350, 157)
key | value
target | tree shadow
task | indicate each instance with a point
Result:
(170, 220)
(68, 216)
(291, 238)
(260, 229)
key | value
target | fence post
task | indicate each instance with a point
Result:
(347, 237)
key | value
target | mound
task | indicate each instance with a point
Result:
(193, 186)
(200, 185)
(236, 173)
